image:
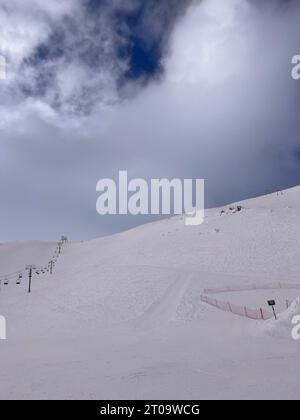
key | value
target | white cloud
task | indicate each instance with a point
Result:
(209, 43)
(23, 25)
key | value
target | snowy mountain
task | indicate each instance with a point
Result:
(121, 316)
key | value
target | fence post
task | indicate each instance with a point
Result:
(246, 313)
(230, 308)
(262, 314)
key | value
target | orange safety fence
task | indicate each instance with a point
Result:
(244, 311)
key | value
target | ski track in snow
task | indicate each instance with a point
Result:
(164, 309)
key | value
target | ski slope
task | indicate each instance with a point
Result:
(121, 316)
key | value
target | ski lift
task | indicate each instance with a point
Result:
(6, 281)
(19, 279)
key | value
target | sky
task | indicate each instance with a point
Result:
(160, 88)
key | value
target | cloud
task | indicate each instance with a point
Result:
(75, 54)
(24, 26)
(224, 109)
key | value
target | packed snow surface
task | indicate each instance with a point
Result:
(121, 316)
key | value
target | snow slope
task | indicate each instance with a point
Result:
(121, 316)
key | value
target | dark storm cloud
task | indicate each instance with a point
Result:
(204, 91)
(126, 40)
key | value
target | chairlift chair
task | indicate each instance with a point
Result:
(19, 279)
